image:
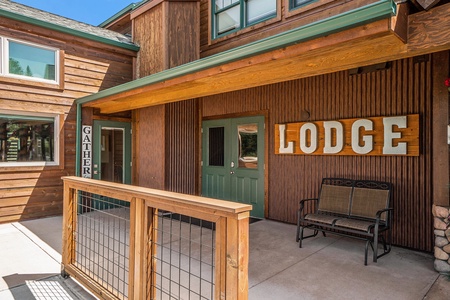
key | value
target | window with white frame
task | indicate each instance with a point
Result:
(232, 15)
(28, 140)
(24, 60)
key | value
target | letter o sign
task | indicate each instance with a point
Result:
(312, 128)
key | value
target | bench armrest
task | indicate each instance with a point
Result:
(302, 203)
(382, 211)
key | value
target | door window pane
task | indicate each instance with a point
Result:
(31, 61)
(248, 146)
(112, 154)
(217, 146)
(27, 139)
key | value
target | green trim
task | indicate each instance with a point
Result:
(376, 11)
(55, 27)
(78, 142)
(119, 14)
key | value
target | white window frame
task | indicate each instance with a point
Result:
(56, 140)
(4, 60)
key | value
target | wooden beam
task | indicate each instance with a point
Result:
(441, 71)
(327, 54)
(428, 32)
(427, 4)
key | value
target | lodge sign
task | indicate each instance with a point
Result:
(375, 136)
(86, 151)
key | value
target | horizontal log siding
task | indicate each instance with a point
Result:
(405, 88)
(89, 67)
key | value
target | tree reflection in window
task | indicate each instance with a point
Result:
(248, 146)
(26, 139)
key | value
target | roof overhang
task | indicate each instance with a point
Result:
(368, 35)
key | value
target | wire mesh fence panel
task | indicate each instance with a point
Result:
(184, 258)
(102, 241)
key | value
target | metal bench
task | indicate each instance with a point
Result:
(356, 208)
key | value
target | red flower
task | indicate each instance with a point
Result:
(447, 82)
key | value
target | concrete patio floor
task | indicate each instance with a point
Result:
(325, 268)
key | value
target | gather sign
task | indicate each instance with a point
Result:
(375, 136)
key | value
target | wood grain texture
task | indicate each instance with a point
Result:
(88, 67)
(151, 142)
(404, 88)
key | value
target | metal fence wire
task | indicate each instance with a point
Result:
(102, 241)
(184, 260)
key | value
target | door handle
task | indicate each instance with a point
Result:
(232, 172)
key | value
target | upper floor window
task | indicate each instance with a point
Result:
(233, 15)
(298, 3)
(28, 140)
(28, 61)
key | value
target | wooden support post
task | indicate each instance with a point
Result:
(221, 258)
(137, 274)
(68, 250)
(441, 62)
(237, 257)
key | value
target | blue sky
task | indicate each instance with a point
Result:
(92, 12)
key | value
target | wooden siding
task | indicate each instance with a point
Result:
(168, 36)
(150, 150)
(182, 142)
(286, 20)
(404, 88)
(148, 34)
(89, 67)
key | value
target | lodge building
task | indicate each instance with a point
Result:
(211, 98)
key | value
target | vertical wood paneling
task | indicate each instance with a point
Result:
(148, 34)
(168, 36)
(182, 147)
(404, 88)
(182, 33)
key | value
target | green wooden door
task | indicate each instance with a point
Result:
(233, 161)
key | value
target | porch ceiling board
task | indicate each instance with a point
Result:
(364, 45)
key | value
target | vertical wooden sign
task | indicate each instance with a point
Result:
(86, 152)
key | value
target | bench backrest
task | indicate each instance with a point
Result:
(369, 197)
(335, 195)
(357, 198)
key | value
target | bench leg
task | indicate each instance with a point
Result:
(300, 237)
(365, 253)
(298, 226)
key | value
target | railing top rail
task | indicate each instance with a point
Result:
(132, 191)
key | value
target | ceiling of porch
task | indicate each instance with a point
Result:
(367, 44)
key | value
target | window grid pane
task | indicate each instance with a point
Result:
(31, 61)
(231, 15)
(229, 19)
(258, 10)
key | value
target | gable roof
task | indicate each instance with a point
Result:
(23, 13)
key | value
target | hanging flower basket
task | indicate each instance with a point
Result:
(447, 83)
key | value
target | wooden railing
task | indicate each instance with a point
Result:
(144, 212)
